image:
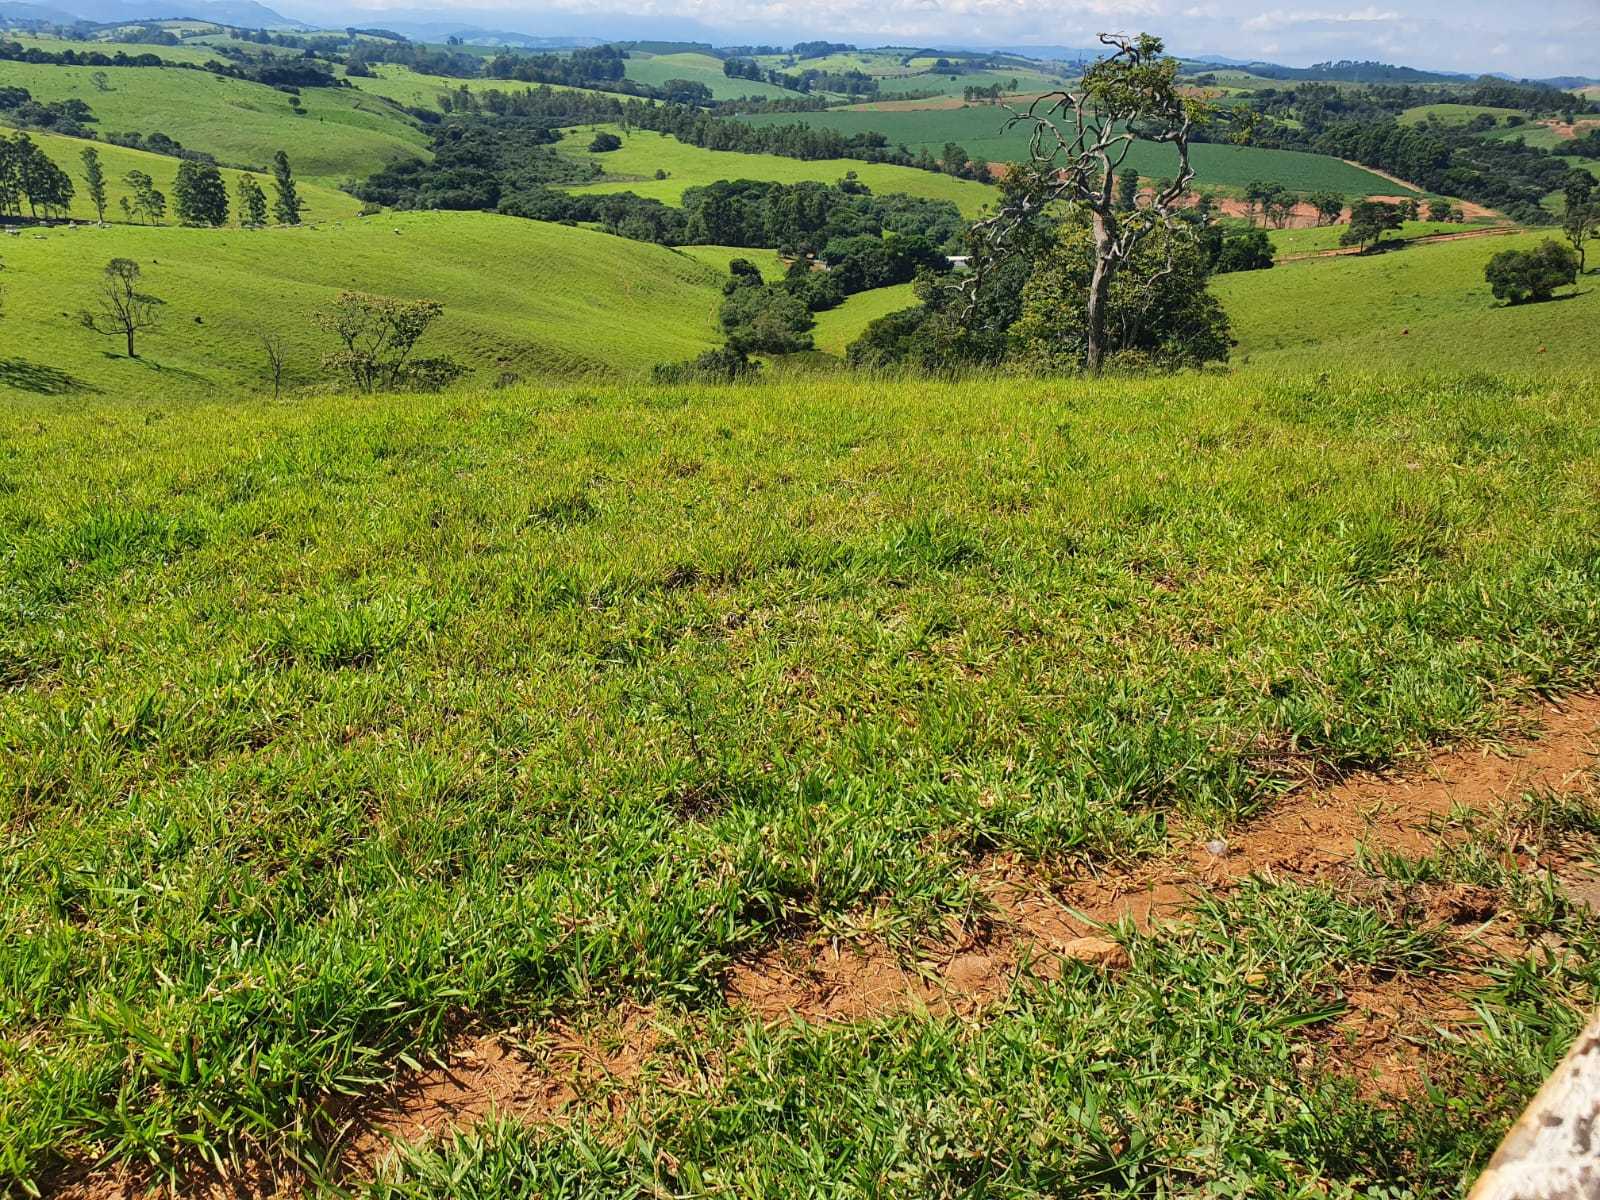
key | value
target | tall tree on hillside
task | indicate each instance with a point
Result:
(286, 208)
(199, 194)
(1329, 206)
(1580, 216)
(147, 204)
(94, 177)
(1369, 221)
(1080, 140)
(122, 310)
(252, 201)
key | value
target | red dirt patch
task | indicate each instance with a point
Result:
(537, 1080)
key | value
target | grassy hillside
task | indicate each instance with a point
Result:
(344, 133)
(1326, 237)
(331, 729)
(1455, 114)
(415, 90)
(1417, 307)
(321, 203)
(645, 152)
(977, 129)
(519, 296)
(838, 327)
(656, 69)
(52, 45)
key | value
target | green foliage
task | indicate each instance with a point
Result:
(766, 320)
(1250, 251)
(376, 336)
(199, 196)
(252, 202)
(30, 177)
(286, 204)
(604, 142)
(1369, 221)
(1518, 276)
(122, 309)
(725, 364)
(1159, 312)
(94, 178)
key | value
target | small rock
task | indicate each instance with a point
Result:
(1216, 847)
(1097, 952)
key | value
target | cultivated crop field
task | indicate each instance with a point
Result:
(520, 296)
(977, 130)
(344, 134)
(644, 152)
(728, 783)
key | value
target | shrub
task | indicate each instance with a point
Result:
(1517, 276)
(603, 143)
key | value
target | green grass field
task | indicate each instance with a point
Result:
(344, 134)
(321, 203)
(838, 327)
(1415, 307)
(1326, 237)
(52, 45)
(333, 730)
(644, 152)
(1454, 114)
(977, 129)
(520, 296)
(415, 90)
(952, 85)
(656, 69)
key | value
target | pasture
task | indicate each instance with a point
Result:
(697, 760)
(657, 69)
(1407, 308)
(522, 297)
(644, 152)
(838, 327)
(977, 129)
(320, 202)
(343, 134)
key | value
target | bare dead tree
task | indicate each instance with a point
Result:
(272, 347)
(123, 309)
(1080, 139)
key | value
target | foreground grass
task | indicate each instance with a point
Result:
(327, 724)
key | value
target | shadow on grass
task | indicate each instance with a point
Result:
(151, 364)
(28, 376)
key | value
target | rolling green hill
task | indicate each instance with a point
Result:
(656, 69)
(1419, 307)
(415, 90)
(644, 152)
(838, 327)
(344, 133)
(320, 202)
(1454, 114)
(978, 130)
(523, 297)
(189, 53)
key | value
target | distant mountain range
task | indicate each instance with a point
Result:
(247, 14)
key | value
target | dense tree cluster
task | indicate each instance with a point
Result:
(1518, 276)
(476, 164)
(70, 117)
(584, 66)
(29, 177)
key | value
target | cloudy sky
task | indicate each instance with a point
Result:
(1534, 37)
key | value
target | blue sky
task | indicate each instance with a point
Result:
(1535, 38)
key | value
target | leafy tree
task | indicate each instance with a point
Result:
(1329, 206)
(1158, 311)
(122, 310)
(286, 206)
(1247, 252)
(27, 174)
(1580, 215)
(377, 335)
(604, 143)
(1369, 221)
(148, 204)
(1079, 140)
(722, 365)
(1440, 209)
(94, 178)
(766, 320)
(1518, 276)
(252, 202)
(199, 195)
